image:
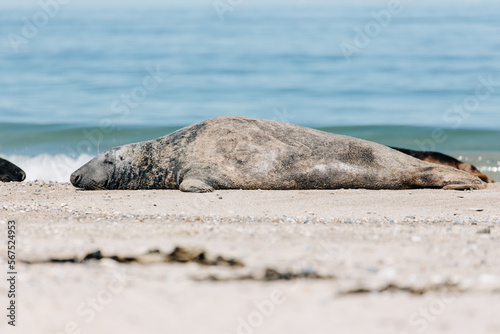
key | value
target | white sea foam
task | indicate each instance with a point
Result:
(46, 167)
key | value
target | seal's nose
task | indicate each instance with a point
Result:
(22, 176)
(75, 178)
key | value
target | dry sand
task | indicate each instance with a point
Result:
(332, 261)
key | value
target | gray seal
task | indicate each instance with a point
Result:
(247, 153)
(10, 172)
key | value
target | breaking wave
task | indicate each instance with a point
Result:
(46, 167)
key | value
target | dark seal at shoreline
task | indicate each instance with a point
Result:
(446, 160)
(10, 172)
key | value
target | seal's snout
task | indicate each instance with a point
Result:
(22, 176)
(75, 179)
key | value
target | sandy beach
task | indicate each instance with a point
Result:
(254, 94)
(345, 261)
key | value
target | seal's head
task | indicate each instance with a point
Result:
(126, 167)
(98, 173)
(10, 172)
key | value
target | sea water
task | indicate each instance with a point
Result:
(77, 81)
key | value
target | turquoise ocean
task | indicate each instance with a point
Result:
(76, 81)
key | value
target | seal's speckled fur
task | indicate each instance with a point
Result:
(247, 153)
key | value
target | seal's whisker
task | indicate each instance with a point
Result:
(95, 186)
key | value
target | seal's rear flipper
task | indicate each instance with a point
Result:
(446, 160)
(464, 186)
(195, 186)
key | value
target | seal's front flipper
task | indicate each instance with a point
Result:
(195, 186)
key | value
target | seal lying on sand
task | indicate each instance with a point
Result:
(10, 172)
(248, 153)
(443, 159)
